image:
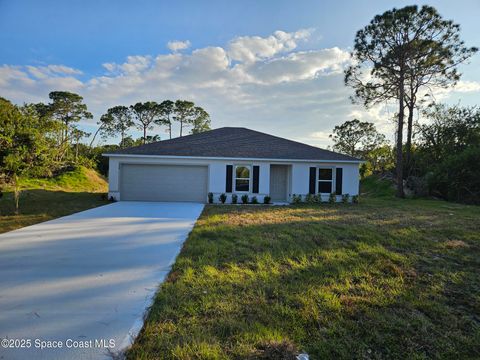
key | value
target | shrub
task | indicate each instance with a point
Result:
(317, 198)
(309, 198)
(210, 198)
(345, 198)
(267, 199)
(254, 200)
(222, 198)
(296, 199)
(332, 199)
(112, 199)
(457, 178)
(234, 198)
(244, 199)
(355, 199)
(418, 185)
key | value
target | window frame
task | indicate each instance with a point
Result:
(332, 181)
(250, 174)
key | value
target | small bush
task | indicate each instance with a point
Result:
(234, 198)
(296, 199)
(103, 196)
(244, 199)
(112, 199)
(267, 199)
(222, 198)
(210, 198)
(317, 198)
(345, 198)
(355, 199)
(310, 198)
(332, 199)
(254, 200)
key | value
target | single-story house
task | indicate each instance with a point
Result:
(229, 160)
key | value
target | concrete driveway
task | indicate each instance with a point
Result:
(81, 283)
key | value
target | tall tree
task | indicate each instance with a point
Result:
(433, 65)
(184, 111)
(356, 138)
(117, 121)
(200, 120)
(167, 109)
(146, 114)
(68, 108)
(394, 48)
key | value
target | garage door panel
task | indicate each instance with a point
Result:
(141, 182)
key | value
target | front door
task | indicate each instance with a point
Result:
(278, 182)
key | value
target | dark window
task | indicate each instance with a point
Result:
(325, 174)
(325, 180)
(241, 185)
(242, 178)
(325, 187)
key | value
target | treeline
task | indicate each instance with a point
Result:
(444, 155)
(42, 140)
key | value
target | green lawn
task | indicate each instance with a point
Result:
(47, 199)
(384, 279)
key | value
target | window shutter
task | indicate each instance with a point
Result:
(228, 182)
(256, 176)
(313, 180)
(338, 181)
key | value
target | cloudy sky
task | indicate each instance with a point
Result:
(273, 66)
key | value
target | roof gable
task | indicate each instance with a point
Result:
(235, 142)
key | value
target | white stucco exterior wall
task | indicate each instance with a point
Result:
(298, 179)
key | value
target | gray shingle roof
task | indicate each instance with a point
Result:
(235, 142)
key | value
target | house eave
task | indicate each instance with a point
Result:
(230, 158)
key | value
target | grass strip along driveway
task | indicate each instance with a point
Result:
(386, 278)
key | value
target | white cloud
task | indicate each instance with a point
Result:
(43, 72)
(265, 83)
(467, 86)
(252, 48)
(178, 45)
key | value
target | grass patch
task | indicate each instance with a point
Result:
(80, 179)
(47, 199)
(387, 278)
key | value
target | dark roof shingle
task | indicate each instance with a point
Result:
(235, 142)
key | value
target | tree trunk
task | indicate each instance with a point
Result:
(144, 135)
(408, 146)
(95, 135)
(401, 115)
(16, 193)
(181, 127)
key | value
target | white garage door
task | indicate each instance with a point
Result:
(163, 183)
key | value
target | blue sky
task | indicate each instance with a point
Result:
(234, 62)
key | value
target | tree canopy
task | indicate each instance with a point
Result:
(400, 52)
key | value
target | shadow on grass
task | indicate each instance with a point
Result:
(337, 281)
